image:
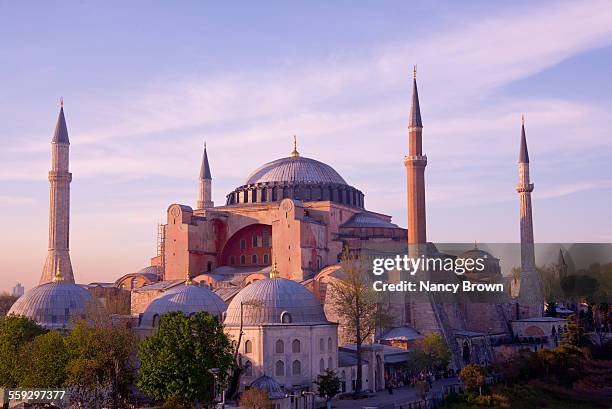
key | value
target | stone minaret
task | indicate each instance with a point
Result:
(58, 257)
(205, 183)
(415, 163)
(530, 294)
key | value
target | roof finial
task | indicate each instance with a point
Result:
(295, 152)
(475, 244)
(58, 273)
(522, 119)
(204, 145)
(274, 272)
(61, 102)
(188, 279)
(414, 71)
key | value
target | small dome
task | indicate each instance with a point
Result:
(54, 305)
(188, 299)
(295, 170)
(270, 385)
(491, 263)
(275, 301)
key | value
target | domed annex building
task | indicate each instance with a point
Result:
(186, 298)
(285, 334)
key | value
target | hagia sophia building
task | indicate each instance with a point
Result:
(264, 261)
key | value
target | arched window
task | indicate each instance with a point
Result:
(134, 282)
(155, 321)
(248, 368)
(330, 363)
(296, 346)
(285, 317)
(322, 365)
(254, 259)
(329, 344)
(280, 346)
(321, 345)
(296, 368)
(248, 347)
(279, 369)
(266, 258)
(243, 259)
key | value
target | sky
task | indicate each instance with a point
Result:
(146, 83)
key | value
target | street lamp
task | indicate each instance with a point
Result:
(215, 373)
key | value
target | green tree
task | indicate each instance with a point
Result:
(43, 362)
(101, 356)
(15, 333)
(255, 399)
(176, 360)
(6, 302)
(358, 306)
(430, 353)
(328, 384)
(473, 377)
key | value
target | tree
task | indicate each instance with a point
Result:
(576, 334)
(43, 362)
(15, 333)
(176, 360)
(255, 399)
(101, 360)
(473, 377)
(435, 350)
(6, 302)
(328, 384)
(358, 306)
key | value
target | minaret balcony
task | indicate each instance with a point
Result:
(522, 188)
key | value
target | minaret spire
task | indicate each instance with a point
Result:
(58, 257)
(530, 295)
(415, 163)
(205, 184)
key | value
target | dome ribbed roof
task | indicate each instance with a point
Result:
(187, 299)
(53, 305)
(265, 301)
(270, 385)
(295, 169)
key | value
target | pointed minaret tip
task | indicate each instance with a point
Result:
(415, 109)
(295, 152)
(205, 168)
(523, 153)
(60, 135)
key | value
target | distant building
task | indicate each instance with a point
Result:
(18, 290)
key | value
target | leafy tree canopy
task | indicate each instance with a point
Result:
(15, 333)
(176, 360)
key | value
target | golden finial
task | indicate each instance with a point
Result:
(274, 272)
(522, 119)
(295, 152)
(188, 279)
(58, 273)
(61, 102)
(414, 72)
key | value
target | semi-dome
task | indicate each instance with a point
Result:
(54, 305)
(188, 299)
(295, 177)
(275, 301)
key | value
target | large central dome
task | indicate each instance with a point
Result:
(295, 177)
(295, 169)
